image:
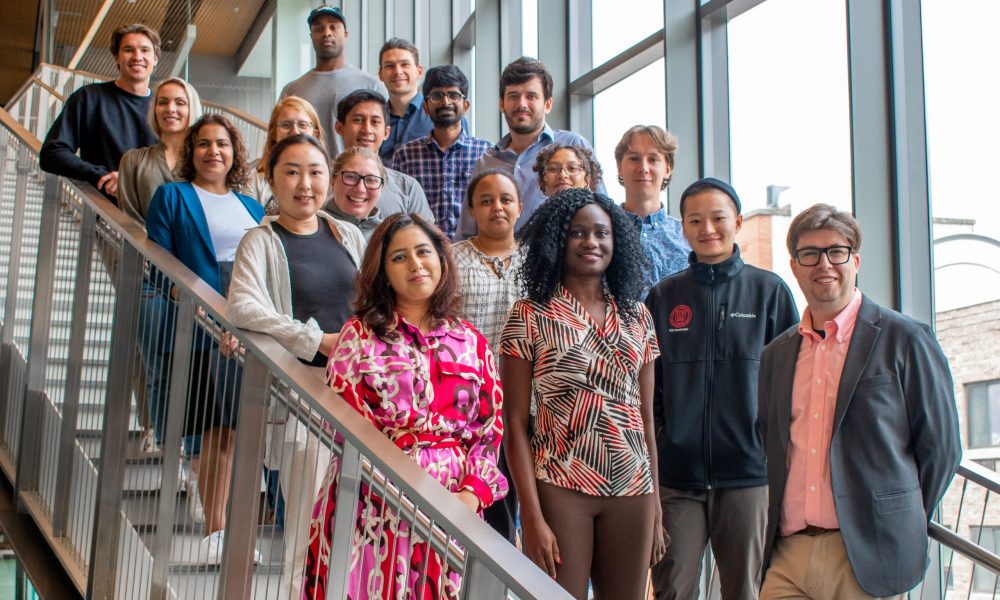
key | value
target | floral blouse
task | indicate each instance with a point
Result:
(589, 433)
(436, 396)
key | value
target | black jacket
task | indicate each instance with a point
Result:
(712, 322)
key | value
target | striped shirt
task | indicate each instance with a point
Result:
(444, 174)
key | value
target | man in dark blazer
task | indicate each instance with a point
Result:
(860, 430)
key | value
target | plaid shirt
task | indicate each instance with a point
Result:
(444, 174)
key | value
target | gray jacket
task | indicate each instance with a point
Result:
(894, 449)
(260, 293)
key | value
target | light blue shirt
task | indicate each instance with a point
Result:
(663, 241)
(520, 166)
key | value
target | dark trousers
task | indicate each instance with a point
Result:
(733, 519)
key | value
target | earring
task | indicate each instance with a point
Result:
(663, 186)
(621, 180)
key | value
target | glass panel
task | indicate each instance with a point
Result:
(961, 97)
(529, 27)
(979, 416)
(643, 93)
(790, 121)
(617, 26)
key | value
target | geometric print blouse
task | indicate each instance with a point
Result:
(588, 433)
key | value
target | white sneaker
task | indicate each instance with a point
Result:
(210, 549)
(147, 445)
(195, 510)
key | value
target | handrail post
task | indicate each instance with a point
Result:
(5, 387)
(180, 373)
(74, 369)
(244, 497)
(33, 415)
(102, 577)
(345, 514)
(8, 363)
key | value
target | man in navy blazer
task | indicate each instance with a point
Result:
(860, 430)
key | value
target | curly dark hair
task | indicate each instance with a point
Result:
(376, 300)
(545, 239)
(586, 158)
(236, 178)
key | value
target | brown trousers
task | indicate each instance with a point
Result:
(812, 568)
(604, 539)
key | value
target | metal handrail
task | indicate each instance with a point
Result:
(439, 512)
(251, 124)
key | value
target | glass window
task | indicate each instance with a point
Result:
(789, 108)
(529, 27)
(984, 414)
(983, 580)
(636, 100)
(618, 26)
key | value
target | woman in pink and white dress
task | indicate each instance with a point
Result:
(427, 380)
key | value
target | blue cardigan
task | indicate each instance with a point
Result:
(177, 222)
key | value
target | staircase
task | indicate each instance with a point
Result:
(115, 517)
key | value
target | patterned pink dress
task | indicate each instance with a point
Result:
(438, 398)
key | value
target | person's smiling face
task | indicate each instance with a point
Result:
(589, 242)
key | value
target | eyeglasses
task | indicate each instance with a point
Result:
(837, 255)
(438, 97)
(571, 168)
(351, 179)
(302, 125)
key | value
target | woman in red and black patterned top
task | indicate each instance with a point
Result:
(586, 476)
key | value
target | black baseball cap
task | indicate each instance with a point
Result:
(323, 9)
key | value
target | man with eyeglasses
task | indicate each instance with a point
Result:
(443, 161)
(858, 417)
(332, 78)
(399, 69)
(525, 99)
(362, 118)
(712, 322)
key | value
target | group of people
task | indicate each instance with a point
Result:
(610, 386)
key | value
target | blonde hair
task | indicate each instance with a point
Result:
(194, 103)
(295, 103)
(356, 151)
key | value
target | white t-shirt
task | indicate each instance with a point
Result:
(227, 220)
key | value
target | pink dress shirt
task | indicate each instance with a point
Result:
(808, 492)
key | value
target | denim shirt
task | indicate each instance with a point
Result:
(663, 242)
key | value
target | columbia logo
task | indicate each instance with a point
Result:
(739, 315)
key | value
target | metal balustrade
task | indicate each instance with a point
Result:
(76, 279)
(40, 99)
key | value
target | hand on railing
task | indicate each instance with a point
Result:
(109, 183)
(468, 498)
(229, 345)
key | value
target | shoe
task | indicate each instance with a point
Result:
(195, 510)
(210, 549)
(147, 445)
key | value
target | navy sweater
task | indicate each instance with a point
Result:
(102, 121)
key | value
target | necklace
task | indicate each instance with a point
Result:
(498, 264)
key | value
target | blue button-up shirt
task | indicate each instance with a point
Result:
(413, 124)
(663, 241)
(520, 166)
(444, 174)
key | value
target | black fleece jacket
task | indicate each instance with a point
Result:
(712, 322)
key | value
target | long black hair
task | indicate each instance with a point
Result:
(545, 239)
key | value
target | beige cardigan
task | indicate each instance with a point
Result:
(140, 172)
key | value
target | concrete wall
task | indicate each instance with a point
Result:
(216, 80)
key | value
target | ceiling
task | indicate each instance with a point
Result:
(221, 25)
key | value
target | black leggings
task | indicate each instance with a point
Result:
(604, 539)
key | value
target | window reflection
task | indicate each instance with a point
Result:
(636, 100)
(790, 121)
